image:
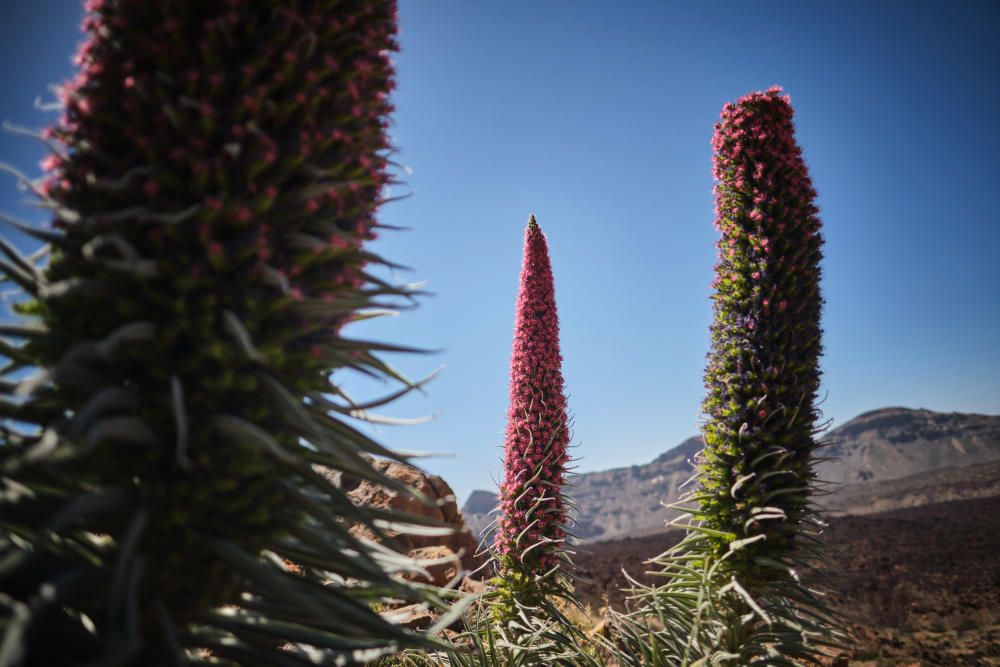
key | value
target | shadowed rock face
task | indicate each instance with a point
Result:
(884, 459)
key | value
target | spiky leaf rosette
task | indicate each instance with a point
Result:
(736, 591)
(535, 637)
(531, 532)
(220, 168)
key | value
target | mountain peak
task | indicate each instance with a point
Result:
(684, 451)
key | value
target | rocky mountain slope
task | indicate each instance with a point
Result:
(896, 442)
(882, 460)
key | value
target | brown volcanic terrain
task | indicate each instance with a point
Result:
(883, 459)
(920, 586)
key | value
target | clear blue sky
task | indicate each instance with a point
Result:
(597, 117)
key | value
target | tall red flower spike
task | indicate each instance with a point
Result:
(532, 527)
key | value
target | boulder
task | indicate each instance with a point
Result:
(443, 557)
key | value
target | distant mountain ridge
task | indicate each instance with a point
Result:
(897, 442)
(887, 458)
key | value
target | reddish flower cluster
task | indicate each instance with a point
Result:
(763, 375)
(222, 106)
(532, 524)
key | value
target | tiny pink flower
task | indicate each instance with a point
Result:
(50, 162)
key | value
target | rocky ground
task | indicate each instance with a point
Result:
(920, 586)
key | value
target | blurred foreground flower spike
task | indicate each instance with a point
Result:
(169, 465)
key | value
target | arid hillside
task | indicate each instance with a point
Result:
(882, 460)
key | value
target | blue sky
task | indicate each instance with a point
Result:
(597, 117)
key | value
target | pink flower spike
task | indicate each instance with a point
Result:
(537, 433)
